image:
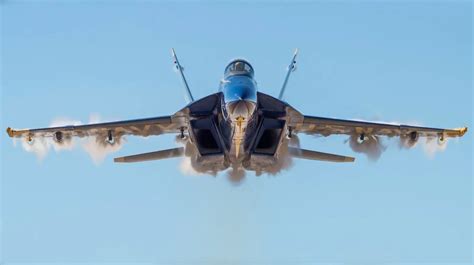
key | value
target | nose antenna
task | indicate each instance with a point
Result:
(291, 68)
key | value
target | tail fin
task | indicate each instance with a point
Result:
(313, 155)
(189, 96)
(163, 154)
(291, 68)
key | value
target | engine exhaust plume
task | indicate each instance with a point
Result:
(236, 175)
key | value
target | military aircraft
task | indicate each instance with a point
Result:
(238, 127)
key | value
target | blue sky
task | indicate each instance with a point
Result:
(404, 62)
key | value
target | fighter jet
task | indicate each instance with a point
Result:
(237, 127)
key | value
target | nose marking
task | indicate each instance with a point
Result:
(239, 120)
(238, 140)
(240, 112)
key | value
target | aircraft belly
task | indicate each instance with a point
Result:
(255, 144)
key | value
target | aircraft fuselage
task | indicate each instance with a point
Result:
(239, 90)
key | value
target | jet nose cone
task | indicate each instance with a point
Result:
(241, 108)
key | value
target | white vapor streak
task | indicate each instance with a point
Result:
(432, 146)
(374, 148)
(95, 146)
(39, 147)
(99, 151)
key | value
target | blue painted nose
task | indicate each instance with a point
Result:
(240, 93)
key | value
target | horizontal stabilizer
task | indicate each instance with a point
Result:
(163, 154)
(313, 155)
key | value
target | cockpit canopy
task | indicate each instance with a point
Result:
(239, 67)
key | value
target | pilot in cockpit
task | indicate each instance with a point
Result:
(239, 67)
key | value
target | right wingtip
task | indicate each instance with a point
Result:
(462, 131)
(10, 132)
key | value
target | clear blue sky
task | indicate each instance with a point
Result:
(406, 62)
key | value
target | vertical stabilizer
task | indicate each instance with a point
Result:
(291, 68)
(189, 96)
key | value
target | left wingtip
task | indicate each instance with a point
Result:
(119, 160)
(462, 131)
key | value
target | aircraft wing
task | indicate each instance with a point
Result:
(328, 126)
(107, 130)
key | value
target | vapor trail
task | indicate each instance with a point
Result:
(95, 146)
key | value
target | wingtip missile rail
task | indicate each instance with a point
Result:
(16, 133)
(458, 132)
